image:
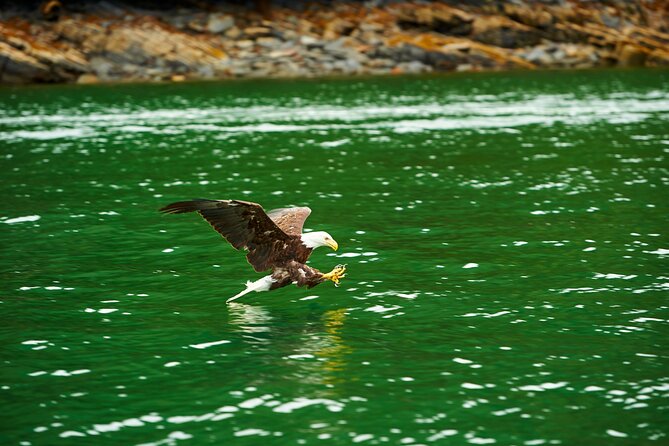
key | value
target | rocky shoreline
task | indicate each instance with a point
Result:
(111, 42)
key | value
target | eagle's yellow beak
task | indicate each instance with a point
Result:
(333, 244)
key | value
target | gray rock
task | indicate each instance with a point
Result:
(610, 21)
(155, 72)
(380, 63)
(291, 35)
(414, 67)
(359, 57)
(130, 69)
(101, 67)
(219, 23)
(311, 42)
(282, 53)
(353, 66)
(288, 69)
(244, 44)
(268, 42)
(334, 45)
(347, 66)
(538, 56)
(240, 70)
(259, 73)
(409, 53)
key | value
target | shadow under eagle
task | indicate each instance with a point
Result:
(274, 240)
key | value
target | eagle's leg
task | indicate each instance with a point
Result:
(336, 274)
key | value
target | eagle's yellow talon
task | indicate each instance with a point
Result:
(336, 274)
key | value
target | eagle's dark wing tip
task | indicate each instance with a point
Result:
(181, 207)
(169, 209)
(172, 208)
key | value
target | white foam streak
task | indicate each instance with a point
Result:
(454, 112)
(15, 220)
(542, 387)
(209, 344)
(48, 134)
(300, 403)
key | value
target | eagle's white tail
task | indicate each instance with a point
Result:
(262, 284)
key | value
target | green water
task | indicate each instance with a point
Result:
(505, 234)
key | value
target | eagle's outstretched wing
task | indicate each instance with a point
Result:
(290, 220)
(244, 224)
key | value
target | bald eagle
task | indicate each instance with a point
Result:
(273, 240)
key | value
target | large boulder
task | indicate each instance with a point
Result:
(155, 46)
(18, 67)
(28, 58)
(438, 58)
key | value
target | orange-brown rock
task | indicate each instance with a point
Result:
(632, 56)
(88, 78)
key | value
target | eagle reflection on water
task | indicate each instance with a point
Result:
(318, 357)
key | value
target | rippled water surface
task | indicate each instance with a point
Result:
(506, 238)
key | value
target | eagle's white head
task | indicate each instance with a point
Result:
(319, 238)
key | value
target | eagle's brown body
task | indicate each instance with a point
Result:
(273, 239)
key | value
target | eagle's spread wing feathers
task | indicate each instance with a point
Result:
(244, 224)
(290, 220)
